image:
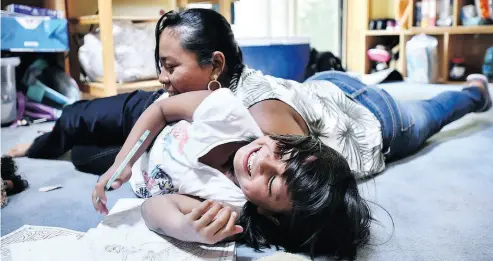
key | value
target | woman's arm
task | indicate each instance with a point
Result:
(188, 219)
(154, 119)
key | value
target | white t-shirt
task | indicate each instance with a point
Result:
(172, 165)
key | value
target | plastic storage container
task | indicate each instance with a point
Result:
(283, 57)
(422, 59)
(9, 97)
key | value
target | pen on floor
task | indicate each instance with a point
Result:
(127, 158)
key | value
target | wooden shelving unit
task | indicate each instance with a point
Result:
(97, 89)
(468, 42)
(94, 19)
(108, 86)
(381, 32)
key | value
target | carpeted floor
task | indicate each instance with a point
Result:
(439, 199)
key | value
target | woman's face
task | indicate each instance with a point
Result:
(180, 71)
(258, 170)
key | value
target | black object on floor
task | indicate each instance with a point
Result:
(9, 173)
(322, 61)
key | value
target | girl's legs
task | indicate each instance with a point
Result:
(102, 122)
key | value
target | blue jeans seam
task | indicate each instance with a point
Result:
(393, 116)
(410, 125)
(357, 93)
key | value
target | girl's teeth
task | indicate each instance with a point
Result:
(250, 162)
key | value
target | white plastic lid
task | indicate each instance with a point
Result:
(265, 41)
(10, 61)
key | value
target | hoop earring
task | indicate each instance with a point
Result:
(214, 81)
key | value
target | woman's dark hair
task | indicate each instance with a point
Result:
(328, 218)
(203, 31)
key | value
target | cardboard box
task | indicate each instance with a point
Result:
(23, 33)
(34, 11)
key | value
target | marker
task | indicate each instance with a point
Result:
(127, 158)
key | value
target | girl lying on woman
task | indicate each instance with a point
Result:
(194, 47)
(197, 47)
(290, 191)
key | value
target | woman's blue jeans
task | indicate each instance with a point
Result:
(406, 125)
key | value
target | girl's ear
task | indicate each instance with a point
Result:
(218, 63)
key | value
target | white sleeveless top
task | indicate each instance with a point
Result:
(347, 126)
(172, 165)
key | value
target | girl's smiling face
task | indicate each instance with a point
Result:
(258, 170)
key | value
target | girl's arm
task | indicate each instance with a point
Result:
(188, 219)
(277, 117)
(154, 119)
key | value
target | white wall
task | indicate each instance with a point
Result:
(252, 18)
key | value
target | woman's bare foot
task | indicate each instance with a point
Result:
(19, 150)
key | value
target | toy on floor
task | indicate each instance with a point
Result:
(29, 112)
(11, 182)
(50, 85)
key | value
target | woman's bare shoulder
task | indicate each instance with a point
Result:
(277, 117)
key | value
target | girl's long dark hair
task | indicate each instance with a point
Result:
(329, 217)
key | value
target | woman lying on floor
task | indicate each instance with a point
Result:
(365, 124)
(197, 47)
(301, 194)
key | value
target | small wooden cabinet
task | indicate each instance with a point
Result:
(82, 14)
(467, 42)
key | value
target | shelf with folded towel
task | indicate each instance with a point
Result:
(436, 30)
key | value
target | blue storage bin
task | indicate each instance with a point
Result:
(280, 57)
(24, 33)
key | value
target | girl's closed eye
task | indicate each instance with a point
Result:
(270, 184)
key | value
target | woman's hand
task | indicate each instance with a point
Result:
(210, 223)
(99, 196)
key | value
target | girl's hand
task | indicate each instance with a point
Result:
(98, 195)
(210, 223)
